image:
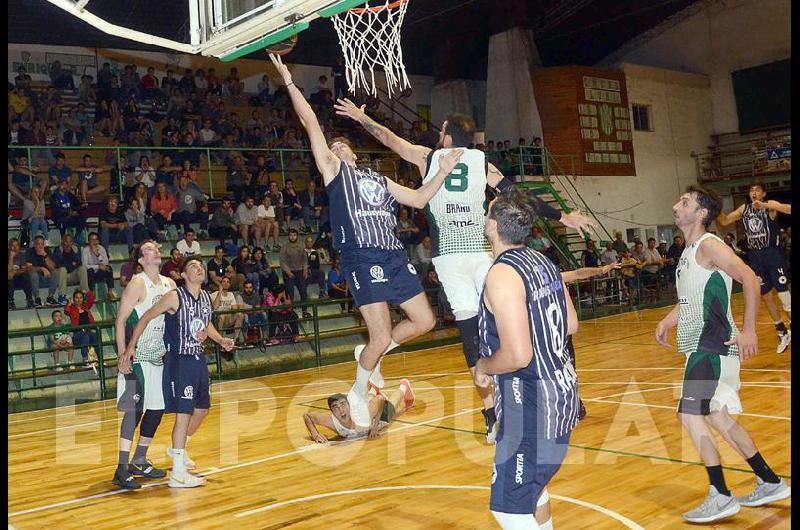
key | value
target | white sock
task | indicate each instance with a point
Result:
(377, 370)
(178, 465)
(362, 380)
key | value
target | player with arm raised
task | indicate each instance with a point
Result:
(457, 214)
(764, 253)
(363, 216)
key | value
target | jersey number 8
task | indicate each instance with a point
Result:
(457, 179)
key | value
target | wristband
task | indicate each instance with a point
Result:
(542, 208)
(545, 210)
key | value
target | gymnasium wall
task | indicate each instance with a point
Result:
(682, 122)
(36, 59)
(716, 38)
(460, 95)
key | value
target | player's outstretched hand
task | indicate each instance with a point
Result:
(611, 266)
(747, 343)
(227, 344)
(345, 107)
(282, 69)
(448, 161)
(577, 220)
(320, 439)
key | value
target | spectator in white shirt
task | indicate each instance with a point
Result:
(246, 217)
(422, 257)
(144, 173)
(225, 300)
(207, 135)
(267, 224)
(609, 255)
(95, 258)
(187, 246)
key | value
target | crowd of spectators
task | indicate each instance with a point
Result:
(155, 193)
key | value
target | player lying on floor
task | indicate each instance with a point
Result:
(383, 408)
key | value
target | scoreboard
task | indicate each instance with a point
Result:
(585, 112)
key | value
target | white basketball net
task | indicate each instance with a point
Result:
(371, 39)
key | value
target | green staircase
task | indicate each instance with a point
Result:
(554, 185)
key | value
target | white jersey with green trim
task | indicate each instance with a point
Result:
(457, 213)
(705, 321)
(150, 346)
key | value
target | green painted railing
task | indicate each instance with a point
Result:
(382, 160)
(106, 350)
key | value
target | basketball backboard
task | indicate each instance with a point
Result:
(229, 29)
(226, 29)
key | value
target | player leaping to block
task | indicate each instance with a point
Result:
(383, 410)
(461, 253)
(363, 217)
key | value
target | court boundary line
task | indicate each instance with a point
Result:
(311, 447)
(675, 408)
(600, 399)
(596, 449)
(595, 507)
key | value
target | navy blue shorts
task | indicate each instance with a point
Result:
(769, 264)
(521, 474)
(377, 275)
(186, 384)
(524, 459)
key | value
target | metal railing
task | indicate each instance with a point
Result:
(749, 157)
(589, 296)
(280, 160)
(38, 375)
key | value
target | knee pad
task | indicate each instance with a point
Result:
(786, 300)
(547, 525)
(470, 340)
(150, 422)
(129, 422)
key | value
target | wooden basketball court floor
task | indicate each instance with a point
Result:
(629, 464)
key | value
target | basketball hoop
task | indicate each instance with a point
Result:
(370, 38)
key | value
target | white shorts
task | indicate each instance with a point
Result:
(129, 393)
(710, 383)
(462, 277)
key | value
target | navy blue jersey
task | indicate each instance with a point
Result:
(553, 406)
(181, 328)
(363, 212)
(761, 231)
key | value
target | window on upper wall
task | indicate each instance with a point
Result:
(641, 117)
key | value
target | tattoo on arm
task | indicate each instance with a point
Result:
(373, 128)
